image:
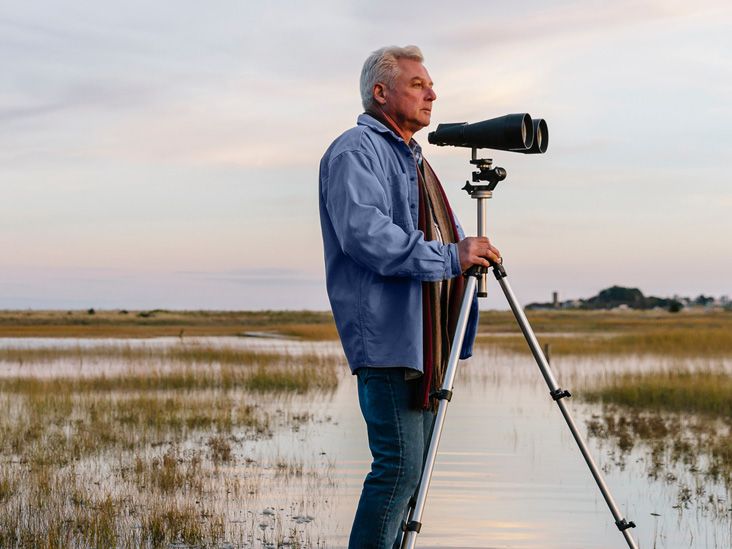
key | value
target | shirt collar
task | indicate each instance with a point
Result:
(366, 119)
(416, 151)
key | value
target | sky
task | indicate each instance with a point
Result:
(165, 154)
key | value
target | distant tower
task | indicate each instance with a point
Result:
(555, 300)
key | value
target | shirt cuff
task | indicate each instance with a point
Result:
(452, 268)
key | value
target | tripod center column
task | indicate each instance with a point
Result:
(482, 196)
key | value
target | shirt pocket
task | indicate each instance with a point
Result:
(398, 191)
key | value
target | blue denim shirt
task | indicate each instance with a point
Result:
(375, 257)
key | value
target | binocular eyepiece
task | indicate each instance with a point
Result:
(512, 132)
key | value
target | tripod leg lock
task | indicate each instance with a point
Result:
(624, 524)
(476, 271)
(442, 394)
(412, 526)
(560, 393)
(498, 271)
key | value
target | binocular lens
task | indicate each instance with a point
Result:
(541, 138)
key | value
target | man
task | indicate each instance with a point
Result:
(394, 255)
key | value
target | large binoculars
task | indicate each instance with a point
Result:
(512, 132)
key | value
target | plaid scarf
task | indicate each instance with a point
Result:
(441, 300)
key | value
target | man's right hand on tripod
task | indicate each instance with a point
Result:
(477, 250)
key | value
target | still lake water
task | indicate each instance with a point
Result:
(508, 474)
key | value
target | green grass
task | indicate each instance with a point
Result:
(604, 322)
(291, 380)
(702, 341)
(704, 392)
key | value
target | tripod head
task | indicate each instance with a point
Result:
(486, 172)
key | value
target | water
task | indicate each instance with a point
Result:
(508, 474)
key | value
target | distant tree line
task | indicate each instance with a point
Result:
(631, 298)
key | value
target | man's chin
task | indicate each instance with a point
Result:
(421, 122)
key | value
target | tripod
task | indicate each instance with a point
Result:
(476, 280)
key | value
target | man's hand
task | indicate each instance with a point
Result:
(477, 250)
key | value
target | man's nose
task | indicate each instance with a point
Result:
(431, 95)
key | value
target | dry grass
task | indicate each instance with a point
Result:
(312, 325)
(60, 513)
(57, 428)
(183, 353)
(156, 437)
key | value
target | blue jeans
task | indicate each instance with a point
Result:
(398, 438)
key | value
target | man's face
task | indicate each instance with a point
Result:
(409, 102)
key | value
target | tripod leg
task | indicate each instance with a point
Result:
(414, 523)
(413, 499)
(558, 395)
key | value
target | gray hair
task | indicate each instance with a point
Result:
(381, 66)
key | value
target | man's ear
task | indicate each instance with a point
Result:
(379, 93)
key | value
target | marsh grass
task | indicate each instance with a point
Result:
(313, 325)
(93, 526)
(200, 367)
(680, 420)
(289, 380)
(182, 524)
(650, 340)
(603, 322)
(107, 521)
(157, 435)
(298, 378)
(7, 487)
(220, 448)
(700, 446)
(183, 353)
(699, 392)
(60, 419)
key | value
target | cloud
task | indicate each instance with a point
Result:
(175, 135)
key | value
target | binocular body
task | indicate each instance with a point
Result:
(512, 132)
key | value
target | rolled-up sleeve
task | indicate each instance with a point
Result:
(360, 212)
